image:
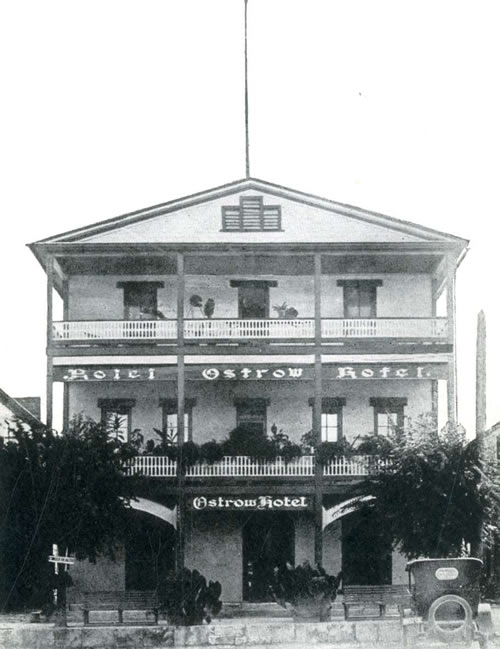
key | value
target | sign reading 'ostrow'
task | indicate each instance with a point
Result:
(226, 503)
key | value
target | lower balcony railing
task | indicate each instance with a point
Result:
(244, 329)
(243, 466)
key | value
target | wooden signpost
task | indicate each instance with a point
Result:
(60, 590)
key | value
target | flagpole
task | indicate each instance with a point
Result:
(247, 139)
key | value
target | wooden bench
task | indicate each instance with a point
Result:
(376, 596)
(130, 600)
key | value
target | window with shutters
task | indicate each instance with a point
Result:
(331, 418)
(251, 414)
(251, 215)
(170, 420)
(140, 300)
(360, 297)
(253, 297)
(388, 414)
(116, 415)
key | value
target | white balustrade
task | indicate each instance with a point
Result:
(384, 328)
(251, 329)
(255, 328)
(88, 330)
(153, 466)
(243, 466)
(354, 466)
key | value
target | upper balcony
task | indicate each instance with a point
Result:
(348, 301)
(234, 330)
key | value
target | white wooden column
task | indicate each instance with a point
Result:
(317, 409)
(181, 518)
(50, 364)
(450, 311)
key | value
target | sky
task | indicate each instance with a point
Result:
(109, 106)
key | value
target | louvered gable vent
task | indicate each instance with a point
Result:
(251, 215)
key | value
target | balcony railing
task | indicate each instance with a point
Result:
(246, 467)
(244, 329)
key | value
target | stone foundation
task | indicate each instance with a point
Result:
(341, 635)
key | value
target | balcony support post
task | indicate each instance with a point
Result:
(181, 518)
(317, 407)
(65, 297)
(50, 363)
(450, 312)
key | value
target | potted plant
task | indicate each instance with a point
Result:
(206, 309)
(285, 312)
(310, 592)
(187, 598)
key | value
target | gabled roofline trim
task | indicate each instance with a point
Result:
(131, 218)
(18, 409)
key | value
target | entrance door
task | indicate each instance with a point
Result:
(253, 301)
(268, 541)
(366, 550)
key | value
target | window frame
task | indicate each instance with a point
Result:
(332, 406)
(169, 407)
(388, 405)
(359, 285)
(110, 405)
(257, 402)
(253, 283)
(136, 285)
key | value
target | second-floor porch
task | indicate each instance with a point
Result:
(341, 467)
(342, 297)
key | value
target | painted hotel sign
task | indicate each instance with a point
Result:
(245, 503)
(332, 371)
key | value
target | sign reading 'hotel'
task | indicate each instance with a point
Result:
(334, 372)
(290, 503)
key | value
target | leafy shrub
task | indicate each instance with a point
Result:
(327, 451)
(187, 599)
(211, 452)
(304, 586)
(245, 441)
(375, 445)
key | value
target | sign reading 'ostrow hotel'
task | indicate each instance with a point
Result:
(290, 503)
(330, 372)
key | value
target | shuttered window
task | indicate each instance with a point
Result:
(251, 215)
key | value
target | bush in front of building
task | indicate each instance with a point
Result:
(438, 496)
(187, 598)
(309, 591)
(71, 490)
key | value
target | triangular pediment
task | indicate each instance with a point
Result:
(252, 211)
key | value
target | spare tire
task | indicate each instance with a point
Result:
(451, 628)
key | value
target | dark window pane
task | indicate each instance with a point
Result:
(253, 301)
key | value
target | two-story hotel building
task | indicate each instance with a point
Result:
(368, 339)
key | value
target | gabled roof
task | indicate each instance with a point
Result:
(18, 410)
(91, 233)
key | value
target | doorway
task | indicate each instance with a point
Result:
(268, 541)
(149, 552)
(366, 550)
